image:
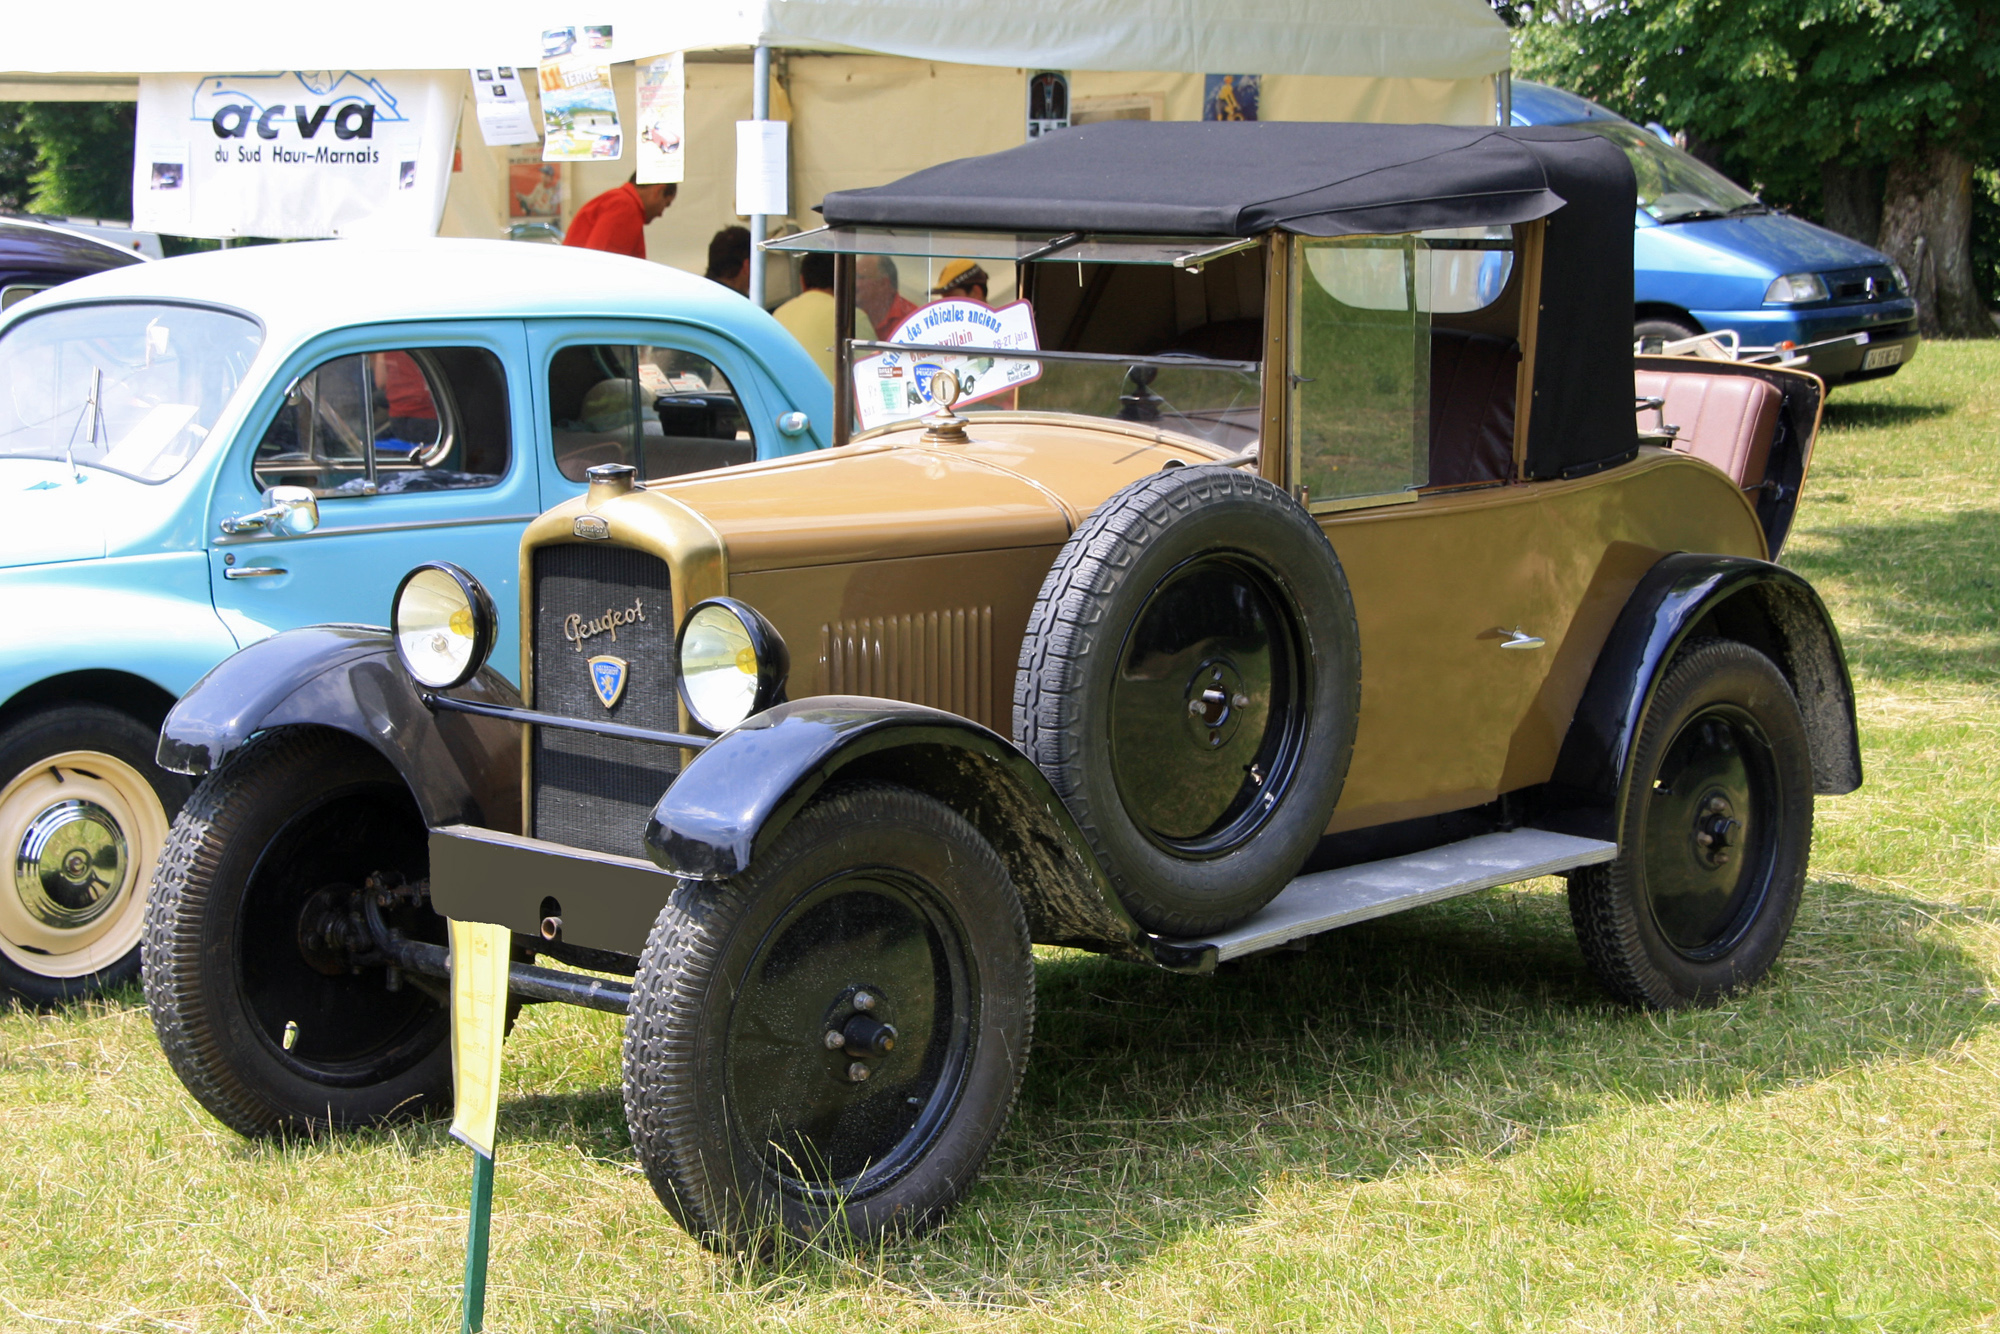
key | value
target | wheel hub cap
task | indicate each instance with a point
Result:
(1704, 849)
(70, 864)
(1204, 711)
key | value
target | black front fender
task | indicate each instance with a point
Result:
(1767, 606)
(736, 796)
(462, 769)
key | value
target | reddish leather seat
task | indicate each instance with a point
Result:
(1726, 420)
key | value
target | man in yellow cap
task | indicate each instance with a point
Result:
(961, 278)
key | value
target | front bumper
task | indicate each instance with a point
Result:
(1890, 328)
(604, 902)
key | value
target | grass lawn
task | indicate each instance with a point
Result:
(1435, 1121)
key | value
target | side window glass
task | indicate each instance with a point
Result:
(1361, 359)
(380, 423)
(662, 410)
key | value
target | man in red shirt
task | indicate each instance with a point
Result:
(616, 220)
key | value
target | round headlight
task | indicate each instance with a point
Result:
(444, 625)
(733, 663)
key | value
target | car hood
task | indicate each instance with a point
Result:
(47, 515)
(1780, 243)
(1020, 481)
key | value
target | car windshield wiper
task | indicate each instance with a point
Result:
(1749, 210)
(1693, 215)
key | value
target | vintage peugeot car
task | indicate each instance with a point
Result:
(1309, 563)
(201, 452)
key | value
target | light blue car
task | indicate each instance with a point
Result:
(1708, 255)
(198, 453)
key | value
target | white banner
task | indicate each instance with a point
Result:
(299, 155)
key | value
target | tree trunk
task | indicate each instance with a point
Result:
(1852, 201)
(1927, 228)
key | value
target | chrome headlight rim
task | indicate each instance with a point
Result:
(774, 662)
(1797, 289)
(485, 623)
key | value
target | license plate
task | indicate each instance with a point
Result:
(1878, 357)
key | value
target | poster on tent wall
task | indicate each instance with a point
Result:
(662, 121)
(299, 155)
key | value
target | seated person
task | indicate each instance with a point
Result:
(808, 316)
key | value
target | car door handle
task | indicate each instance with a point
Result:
(254, 571)
(1519, 638)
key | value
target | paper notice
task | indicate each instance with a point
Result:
(579, 111)
(662, 120)
(478, 1028)
(500, 100)
(760, 167)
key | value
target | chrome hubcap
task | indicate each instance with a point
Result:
(70, 864)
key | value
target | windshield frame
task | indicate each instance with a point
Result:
(16, 318)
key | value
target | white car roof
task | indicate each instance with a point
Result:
(298, 290)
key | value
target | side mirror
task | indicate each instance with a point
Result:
(297, 510)
(793, 423)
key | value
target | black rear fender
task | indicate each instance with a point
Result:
(740, 793)
(462, 769)
(1684, 596)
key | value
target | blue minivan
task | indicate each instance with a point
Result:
(1708, 256)
(198, 453)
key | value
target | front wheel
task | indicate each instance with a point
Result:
(83, 814)
(828, 1045)
(1714, 840)
(256, 964)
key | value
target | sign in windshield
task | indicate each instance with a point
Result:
(892, 386)
(131, 389)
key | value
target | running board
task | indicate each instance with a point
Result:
(1323, 900)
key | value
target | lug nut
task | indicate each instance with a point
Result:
(858, 1072)
(835, 1039)
(864, 1001)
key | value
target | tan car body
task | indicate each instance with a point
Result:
(905, 568)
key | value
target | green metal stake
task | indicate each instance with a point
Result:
(475, 1244)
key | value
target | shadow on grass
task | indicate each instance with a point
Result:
(1845, 414)
(1157, 1106)
(1918, 586)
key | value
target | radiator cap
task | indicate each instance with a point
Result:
(608, 481)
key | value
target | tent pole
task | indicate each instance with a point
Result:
(1503, 97)
(760, 109)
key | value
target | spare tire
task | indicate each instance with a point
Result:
(1189, 684)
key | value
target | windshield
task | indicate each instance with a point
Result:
(1673, 187)
(132, 389)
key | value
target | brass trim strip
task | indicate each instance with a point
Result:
(1277, 460)
(1531, 237)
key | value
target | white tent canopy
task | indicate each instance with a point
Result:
(1412, 39)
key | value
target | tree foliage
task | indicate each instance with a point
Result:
(84, 152)
(1866, 112)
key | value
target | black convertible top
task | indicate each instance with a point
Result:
(1241, 179)
(1190, 178)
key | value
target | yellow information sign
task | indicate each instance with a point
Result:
(478, 1026)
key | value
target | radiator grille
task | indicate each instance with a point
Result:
(940, 658)
(592, 791)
